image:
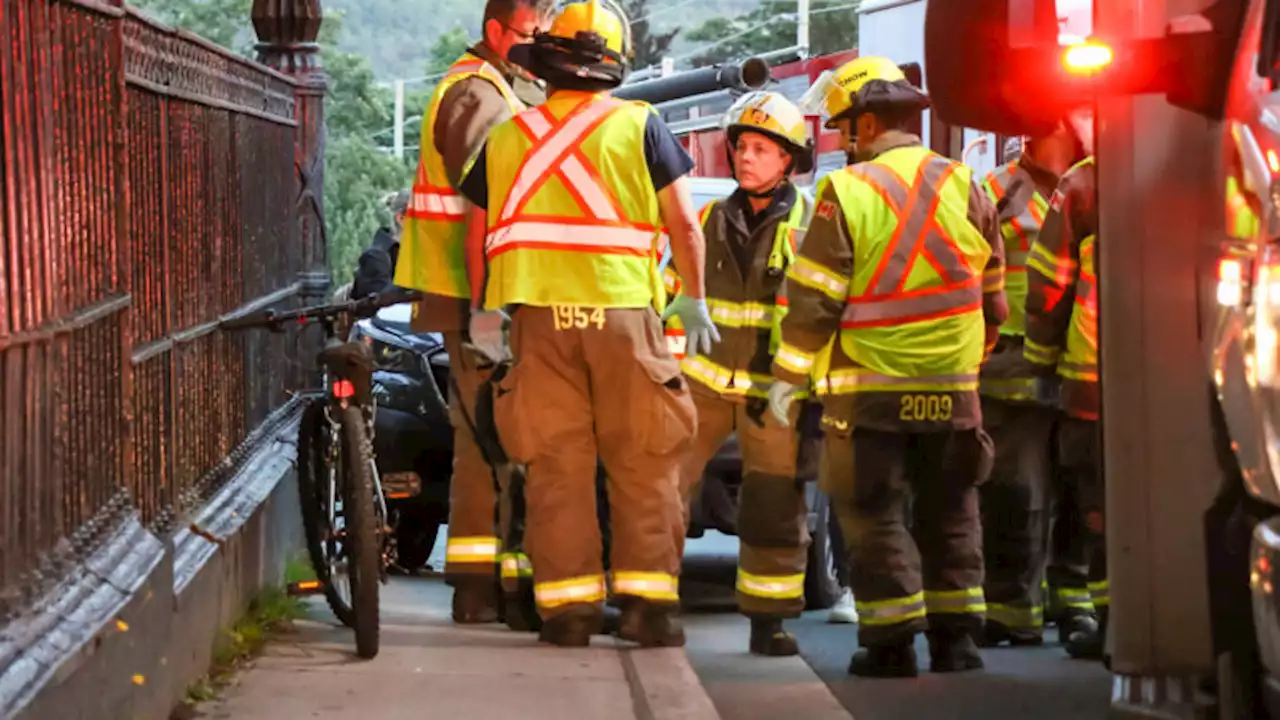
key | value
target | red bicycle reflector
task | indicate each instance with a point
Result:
(343, 389)
(1087, 57)
(305, 587)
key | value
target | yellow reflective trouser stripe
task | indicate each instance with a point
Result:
(891, 612)
(1040, 354)
(1100, 592)
(1016, 617)
(738, 315)
(515, 565)
(472, 550)
(585, 589)
(794, 359)
(649, 585)
(774, 587)
(969, 600)
(1075, 598)
(1008, 388)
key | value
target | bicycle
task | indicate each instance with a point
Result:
(344, 510)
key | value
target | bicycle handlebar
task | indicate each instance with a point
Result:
(364, 307)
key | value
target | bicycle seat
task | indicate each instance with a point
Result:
(339, 355)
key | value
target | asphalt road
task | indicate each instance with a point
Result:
(1017, 683)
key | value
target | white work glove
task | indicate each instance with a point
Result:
(488, 330)
(781, 394)
(699, 331)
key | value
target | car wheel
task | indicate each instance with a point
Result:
(416, 533)
(821, 578)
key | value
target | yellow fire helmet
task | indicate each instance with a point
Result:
(772, 115)
(589, 40)
(835, 94)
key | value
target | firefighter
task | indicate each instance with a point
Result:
(897, 290)
(574, 217)
(751, 240)
(480, 90)
(1015, 502)
(1062, 345)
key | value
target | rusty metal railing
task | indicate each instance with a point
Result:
(148, 187)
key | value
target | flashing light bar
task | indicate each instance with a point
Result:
(1087, 57)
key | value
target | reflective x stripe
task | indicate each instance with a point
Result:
(884, 302)
(890, 612)
(773, 587)
(556, 152)
(1060, 270)
(1016, 617)
(1024, 210)
(967, 601)
(850, 380)
(472, 550)
(649, 585)
(516, 565)
(585, 589)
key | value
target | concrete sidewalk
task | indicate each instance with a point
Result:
(430, 668)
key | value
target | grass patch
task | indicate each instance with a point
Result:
(298, 569)
(270, 614)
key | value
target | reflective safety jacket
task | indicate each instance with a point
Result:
(573, 217)
(746, 303)
(910, 274)
(1062, 292)
(433, 245)
(1021, 208)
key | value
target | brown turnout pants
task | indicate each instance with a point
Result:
(772, 517)
(473, 545)
(1078, 452)
(928, 577)
(1015, 503)
(588, 384)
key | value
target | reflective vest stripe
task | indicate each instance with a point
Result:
(552, 147)
(849, 380)
(726, 381)
(556, 152)
(917, 234)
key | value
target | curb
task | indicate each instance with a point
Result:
(664, 685)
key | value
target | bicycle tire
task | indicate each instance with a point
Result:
(364, 552)
(311, 463)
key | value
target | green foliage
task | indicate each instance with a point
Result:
(225, 22)
(833, 28)
(446, 49)
(647, 45)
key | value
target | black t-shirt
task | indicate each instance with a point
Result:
(666, 159)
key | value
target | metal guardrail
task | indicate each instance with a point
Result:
(150, 188)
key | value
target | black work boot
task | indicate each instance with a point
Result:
(885, 661)
(994, 635)
(1088, 643)
(1074, 622)
(521, 614)
(768, 638)
(953, 651)
(650, 625)
(571, 628)
(475, 601)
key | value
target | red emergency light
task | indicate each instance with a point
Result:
(1087, 58)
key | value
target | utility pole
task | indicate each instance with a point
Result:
(802, 26)
(399, 131)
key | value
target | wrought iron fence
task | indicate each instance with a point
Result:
(148, 186)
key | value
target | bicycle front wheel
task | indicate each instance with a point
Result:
(364, 546)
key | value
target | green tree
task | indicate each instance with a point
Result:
(446, 49)
(225, 22)
(648, 46)
(833, 28)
